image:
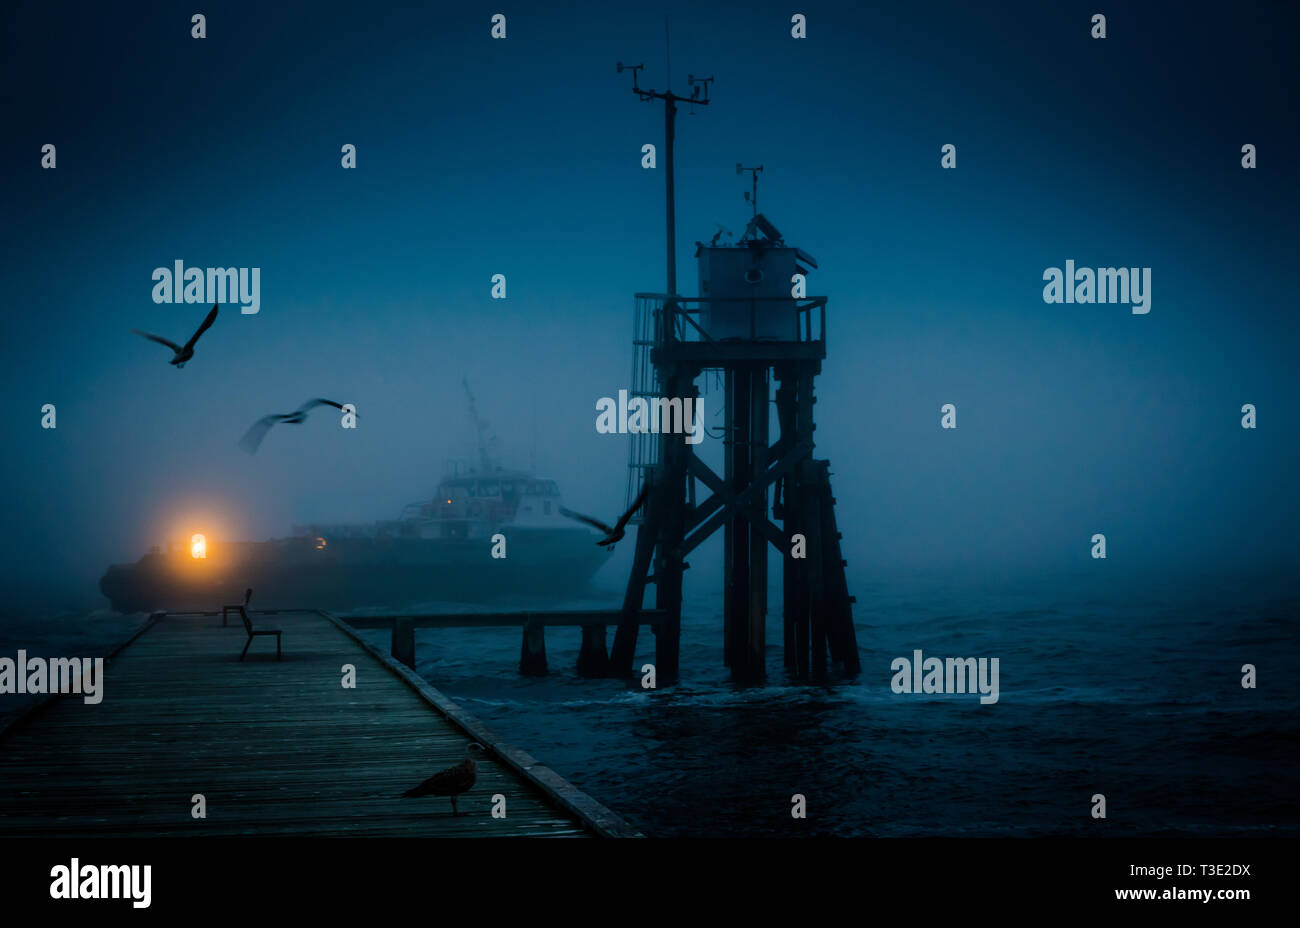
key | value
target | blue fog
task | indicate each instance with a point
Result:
(522, 157)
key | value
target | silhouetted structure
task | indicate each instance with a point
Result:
(752, 323)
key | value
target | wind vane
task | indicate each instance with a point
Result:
(754, 172)
(699, 96)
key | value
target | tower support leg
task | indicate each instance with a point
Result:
(839, 620)
(620, 661)
(811, 520)
(755, 665)
(739, 599)
(790, 575)
(668, 565)
(730, 644)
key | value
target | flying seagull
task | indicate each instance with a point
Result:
(182, 353)
(253, 437)
(453, 781)
(611, 534)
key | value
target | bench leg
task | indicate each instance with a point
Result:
(246, 644)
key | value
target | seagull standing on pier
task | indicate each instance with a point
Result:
(619, 530)
(182, 353)
(453, 781)
(253, 437)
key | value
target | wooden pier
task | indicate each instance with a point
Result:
(274, 747)
(593, 657)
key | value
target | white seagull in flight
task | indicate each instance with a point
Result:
(253, 437)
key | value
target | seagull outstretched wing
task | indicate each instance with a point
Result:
(640, 501)
(594, 523)
(159, 339)
(204, 326)
(253, 437)
(318, 401)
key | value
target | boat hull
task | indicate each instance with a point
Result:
(350, 573)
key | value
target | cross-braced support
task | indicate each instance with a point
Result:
(760, 479)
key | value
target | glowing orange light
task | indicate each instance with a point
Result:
(198, 546)
(320, 543)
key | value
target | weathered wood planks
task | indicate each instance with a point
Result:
(275, 747)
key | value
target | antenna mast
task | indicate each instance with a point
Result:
(699, 95)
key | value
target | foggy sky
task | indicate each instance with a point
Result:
(522, 157)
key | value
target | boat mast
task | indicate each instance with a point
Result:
(480, 429)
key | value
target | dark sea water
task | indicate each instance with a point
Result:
(1130, 688)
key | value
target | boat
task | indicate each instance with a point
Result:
(489, 534)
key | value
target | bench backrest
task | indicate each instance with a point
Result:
(248, 623)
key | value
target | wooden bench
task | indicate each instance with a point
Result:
(255, 632)
(226, 610)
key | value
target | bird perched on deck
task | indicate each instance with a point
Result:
(616, 533)
(182, 353)
(453, 781)
(253, 437)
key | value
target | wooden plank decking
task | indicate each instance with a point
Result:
(275, 747)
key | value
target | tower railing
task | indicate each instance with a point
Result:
(657, 315)
(643, 449)
(684, 314)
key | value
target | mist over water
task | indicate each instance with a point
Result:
(375, 283)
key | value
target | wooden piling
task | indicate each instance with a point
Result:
(620, 661)
(815, 571)
(786, 510)
(403, 646)
(532, 652)
(593, 659)
(801, 594)
(794, 575)
(669, 564)
(842, 637)
(731, 641)
(756, 638)
(789, 580)
(738, 569)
